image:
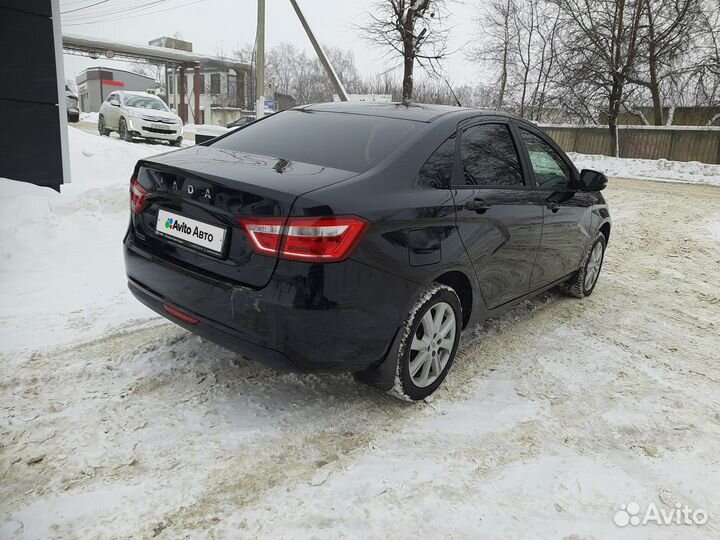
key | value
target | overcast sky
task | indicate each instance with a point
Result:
(215, 25)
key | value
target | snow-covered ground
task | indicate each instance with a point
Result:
(115, 423)
(62, 276)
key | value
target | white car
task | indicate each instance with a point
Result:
(137, 114)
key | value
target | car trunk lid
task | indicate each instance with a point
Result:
(202, 191)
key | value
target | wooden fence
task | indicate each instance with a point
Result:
(682, 116)
(681, 143)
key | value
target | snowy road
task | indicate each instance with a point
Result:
(553, 416)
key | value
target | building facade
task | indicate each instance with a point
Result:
(223, 93)
(94, 84)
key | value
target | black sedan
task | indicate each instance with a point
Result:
(362, 237)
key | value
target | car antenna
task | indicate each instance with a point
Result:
(452, 92)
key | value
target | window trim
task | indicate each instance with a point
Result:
(470, 123)
(552, 144)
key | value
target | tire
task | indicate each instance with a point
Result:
(415, 378)
(584, 281)
(176, 142)
(123, 131)
(104, 132)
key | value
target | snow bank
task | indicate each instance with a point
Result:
(89, 117)
(664, 170)
(78, 235)
(205, 129)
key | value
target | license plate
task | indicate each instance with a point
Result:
(161, 126)
(191, 231)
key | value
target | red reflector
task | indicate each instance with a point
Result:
(180, 315)
(137, 195)
(310, 239)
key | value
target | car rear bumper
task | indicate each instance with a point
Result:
(212, 330)
(309, 317)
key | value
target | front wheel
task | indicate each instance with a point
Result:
(104, 131)
(431, 334)
(583, 283)
(176, 142)
(123, 131)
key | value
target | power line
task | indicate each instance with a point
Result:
(113, 9)
(84, 7)
(134, 16)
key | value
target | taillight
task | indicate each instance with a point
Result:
(137, 195)
(310, 239)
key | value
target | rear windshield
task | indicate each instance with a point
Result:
(341, 141)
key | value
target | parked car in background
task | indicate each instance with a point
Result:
(139, 115)
(242, 121)
(72, 106)
(362, 236)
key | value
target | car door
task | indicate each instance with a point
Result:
(567, 217)
(499, 215)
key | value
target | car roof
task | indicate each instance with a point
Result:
(419, 112)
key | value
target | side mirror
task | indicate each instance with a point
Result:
(114, 103)
(592, 180)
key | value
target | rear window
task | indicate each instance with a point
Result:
(341, 141)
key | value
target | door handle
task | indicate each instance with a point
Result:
(477, 205)
(553, 206)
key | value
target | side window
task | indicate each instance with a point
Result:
(215, 84)
(437, 170)
(489, 157)
(551, 172)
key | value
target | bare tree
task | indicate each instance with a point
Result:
(667, 31)
(494, 40)
(412, 29)
(291, 71)
(519, 40)
(705, 67)
(155, 71)
(601, 48)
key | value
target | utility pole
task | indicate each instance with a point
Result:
(334, 79)
(260, 61)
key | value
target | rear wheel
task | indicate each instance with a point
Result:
(583, 283)
(123, 131)
(430, 340)
(104, 131)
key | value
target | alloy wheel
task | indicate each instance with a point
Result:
(593, 266)
(432, 344)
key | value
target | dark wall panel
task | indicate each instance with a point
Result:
(35, 152)
(38, 7)
(32, 131)
(28, 38)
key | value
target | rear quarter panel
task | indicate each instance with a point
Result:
(413, 234)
